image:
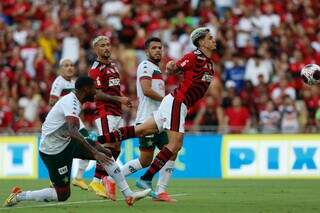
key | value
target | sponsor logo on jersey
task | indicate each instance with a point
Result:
(184, 63)
(114, 82)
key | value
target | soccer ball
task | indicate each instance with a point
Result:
(311, 74)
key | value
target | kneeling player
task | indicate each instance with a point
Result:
(61, 142)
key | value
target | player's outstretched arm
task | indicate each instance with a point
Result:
(101, 96)
(172, 68)
(73, 128)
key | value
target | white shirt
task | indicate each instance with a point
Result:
(245, 24)
(71, 48)
(147, 69)
(29, 54)
(253, 70)
(61, 86)
(54, 133)
(265, 23)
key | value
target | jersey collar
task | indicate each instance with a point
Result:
(203, 54)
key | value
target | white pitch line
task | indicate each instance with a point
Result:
(75, 202)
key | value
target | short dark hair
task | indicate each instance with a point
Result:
(149, 40)
(83, 81)
(196, 41)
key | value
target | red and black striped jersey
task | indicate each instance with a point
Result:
(107, 79)
(198, 73)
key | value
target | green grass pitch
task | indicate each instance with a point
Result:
(194, 196)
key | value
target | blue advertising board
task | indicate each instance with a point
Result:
(198, 158)
(202, 156)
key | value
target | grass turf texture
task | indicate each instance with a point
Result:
(198, 196)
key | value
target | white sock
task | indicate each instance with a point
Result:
(97, 180)
(82, 167)
(164, 176)
(131, 167)
(115, 172)
(47, 194)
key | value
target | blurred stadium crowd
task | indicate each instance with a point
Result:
(261, 47)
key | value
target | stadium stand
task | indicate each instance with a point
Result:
(262, 45)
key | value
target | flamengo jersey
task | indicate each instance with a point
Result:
(148, 70)
(61, 87)
(107, 79)
(54, 132)
(198, 74)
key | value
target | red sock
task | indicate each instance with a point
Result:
(100, 172)
(120, 134)
(115, 154)
(159, 161)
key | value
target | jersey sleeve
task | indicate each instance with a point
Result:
(97, 76)
(56, 88)
(70, 107)
(187, 62)
(144, 71)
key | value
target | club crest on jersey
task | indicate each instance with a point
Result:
(206, 77)
(114, 82)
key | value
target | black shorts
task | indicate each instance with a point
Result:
(148, 143)
(59, 165)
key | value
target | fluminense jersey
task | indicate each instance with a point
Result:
(61, 87)
(198, 74)
(54, 132)
(107, 78)
(148, 70)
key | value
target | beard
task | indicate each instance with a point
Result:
(157, 60)
(89, 98)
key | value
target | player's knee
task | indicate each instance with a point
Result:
(142, 131)
(174, 147)
(145, 162)
(63, 193)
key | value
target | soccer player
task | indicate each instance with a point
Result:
(150, 91)
(61, 142)
(63, 85)
(198, 71)
(108, 101)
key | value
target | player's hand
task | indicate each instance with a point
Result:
(102, 158)
(103, 149)
(170, 66)
(126, 101)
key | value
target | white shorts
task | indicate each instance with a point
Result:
(171, 115)
(109, 124)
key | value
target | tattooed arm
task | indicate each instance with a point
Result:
(73, 128)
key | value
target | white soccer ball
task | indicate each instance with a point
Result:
(311, 74)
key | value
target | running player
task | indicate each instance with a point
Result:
(150, 92)
(63, 85)
(197, 67)
(61, 142)
(108, 101)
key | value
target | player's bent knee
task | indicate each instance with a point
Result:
(63, 193)
(144, 130)
(145, 162)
